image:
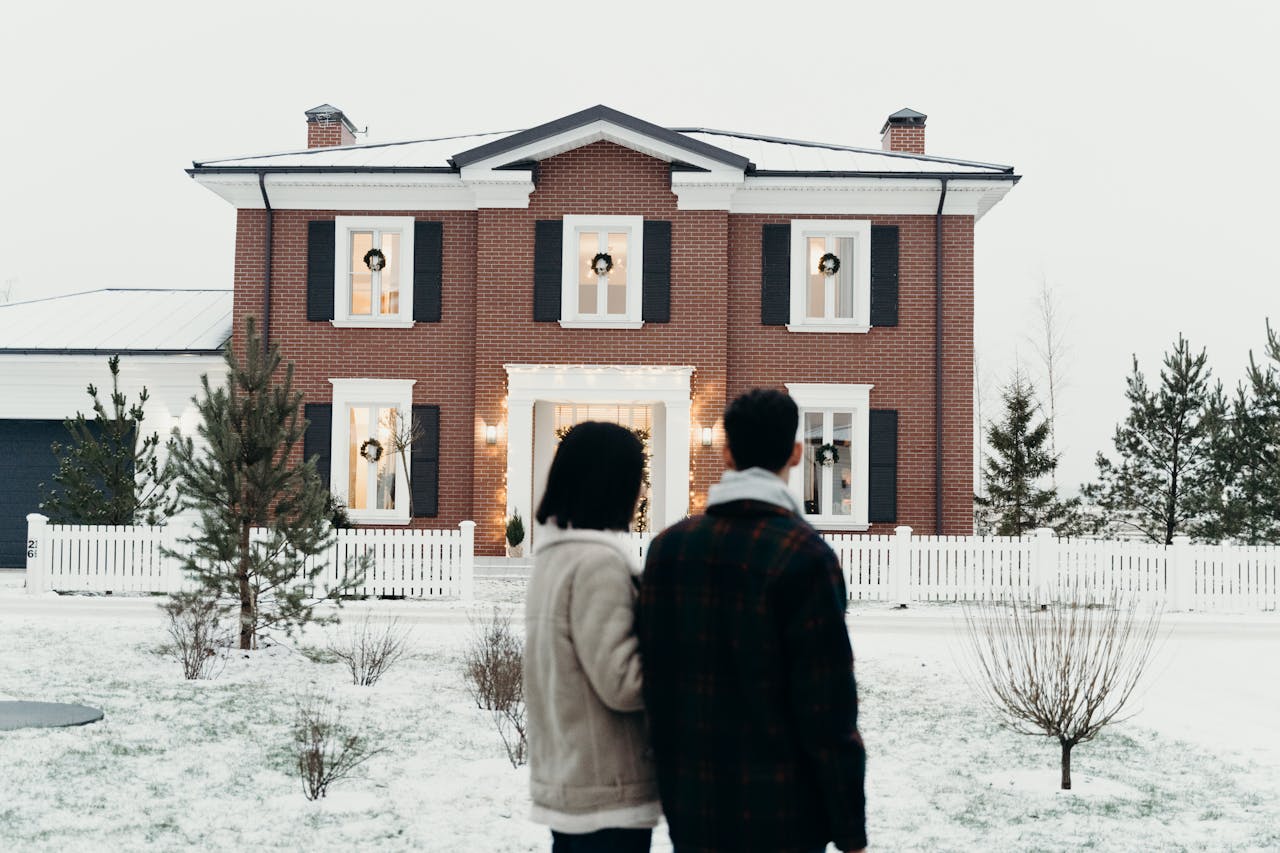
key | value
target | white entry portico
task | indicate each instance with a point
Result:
(538, 388)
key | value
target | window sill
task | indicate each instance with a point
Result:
(372, 324)
(371, 518)
(601, 324)
(836, 524)
(827, 328)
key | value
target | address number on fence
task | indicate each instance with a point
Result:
(33, 548)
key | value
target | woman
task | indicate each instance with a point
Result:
(590, 776)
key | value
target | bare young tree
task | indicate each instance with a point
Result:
(368, 651)
(1050, 343)
(493, 665)
(325, 748)
(404, 432)
(199, 633)
(1065, 671)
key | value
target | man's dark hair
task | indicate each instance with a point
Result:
(594, 481)
(761, 428)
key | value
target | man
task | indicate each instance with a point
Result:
(748, 673)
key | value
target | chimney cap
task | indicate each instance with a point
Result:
(905, 117)
(328, 112)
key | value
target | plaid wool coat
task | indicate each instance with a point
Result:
(748, 682)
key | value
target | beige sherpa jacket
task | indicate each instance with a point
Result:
(589, 759)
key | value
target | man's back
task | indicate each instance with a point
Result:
(749, 684)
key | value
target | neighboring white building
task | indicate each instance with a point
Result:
(52, 349)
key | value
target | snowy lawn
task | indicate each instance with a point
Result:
(178, 764)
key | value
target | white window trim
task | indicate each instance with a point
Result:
(860, 231)
(365, 392)
(569, 316)
(811, 397)
(343, 226)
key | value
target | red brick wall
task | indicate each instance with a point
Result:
(908, 139)
(326, 134)
(715, 327)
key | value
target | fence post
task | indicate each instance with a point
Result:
(37, 552)
(1179, 570)
(468, 529)
(900, 566)
(1044, 560)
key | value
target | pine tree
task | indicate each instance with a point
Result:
(245, 477)
(1165, 471)
(1246, 459)
(1015, 503)
(105, 474)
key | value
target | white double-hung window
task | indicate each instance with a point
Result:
(601, 286)
(367, 473)
(373, 271)
(830, 275)
(832, 478)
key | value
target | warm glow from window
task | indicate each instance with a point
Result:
(371, 484)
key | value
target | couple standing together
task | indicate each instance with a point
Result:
(717, 688)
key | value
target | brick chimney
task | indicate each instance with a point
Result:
(903, 131)
(328, 126)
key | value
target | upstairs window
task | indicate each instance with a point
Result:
(373, 264)
(830, 275)
(601, 285)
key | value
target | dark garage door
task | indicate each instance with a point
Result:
(25, 463)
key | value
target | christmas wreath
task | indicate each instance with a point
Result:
(602, 263)
(828, 454)
(374, 259)
(371, 449)
(829, 264)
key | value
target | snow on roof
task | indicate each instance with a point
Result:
(119, 320)
(766, 153)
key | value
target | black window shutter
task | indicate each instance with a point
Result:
(320, 249)
(775, 286)
(548, 242)
(428, 270)
(884, 275)
(316, 440)
(656, 293)
(424, 463)
(882, 466)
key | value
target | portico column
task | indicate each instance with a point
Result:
(677, 464)
(520, 458)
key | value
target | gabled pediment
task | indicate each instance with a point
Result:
(596, 124)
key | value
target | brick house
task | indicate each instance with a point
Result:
(502, 287)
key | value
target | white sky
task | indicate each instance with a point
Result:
(1144, 133)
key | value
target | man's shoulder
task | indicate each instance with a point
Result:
(763, 522)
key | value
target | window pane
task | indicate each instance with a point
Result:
(361, 276)
(389, 302)
(588, 281)
(358, 467)
(618, 275)
(842, 471)
(812, 470)
(844, 278)
(386, 492)
(816, 305)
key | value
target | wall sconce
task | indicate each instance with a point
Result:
(490, 434)
(707, 435)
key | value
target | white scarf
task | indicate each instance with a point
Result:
(755, 484)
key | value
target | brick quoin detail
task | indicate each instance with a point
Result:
(487, 321)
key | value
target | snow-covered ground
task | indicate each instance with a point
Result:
(206, 765)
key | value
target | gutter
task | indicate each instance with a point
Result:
(937, 361)
(268, 252)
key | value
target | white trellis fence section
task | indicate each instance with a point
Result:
(122, 559)
(903, 569)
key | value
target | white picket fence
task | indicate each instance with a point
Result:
(132, 559)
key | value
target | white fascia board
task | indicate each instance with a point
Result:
(527, 383)
(596, 131)
(53, 386)
(863, 196)
(371, 191)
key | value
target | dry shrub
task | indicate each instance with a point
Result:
(326, 749)
(369, 651)
(199, 632)
(493, 665)
(1065, 671)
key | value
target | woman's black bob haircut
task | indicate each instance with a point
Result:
(594, 482)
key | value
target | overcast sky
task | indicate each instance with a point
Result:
(1144, 132)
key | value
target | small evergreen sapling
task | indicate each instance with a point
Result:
(263, 514)
(515, 530)
(106, 475)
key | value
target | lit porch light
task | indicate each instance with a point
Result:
(707, 436)
(491, 434)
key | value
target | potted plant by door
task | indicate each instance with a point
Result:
(515, 535)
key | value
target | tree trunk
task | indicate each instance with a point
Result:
(1066, 766)
(246, 594)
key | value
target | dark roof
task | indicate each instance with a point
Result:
(599, 113)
